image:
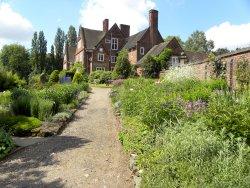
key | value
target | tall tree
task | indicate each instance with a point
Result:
(51, 64)
(170, 37)
(72, 36)
(197, 42)
(34, 53)
(16, 58)
(42, 50)
(59, 44)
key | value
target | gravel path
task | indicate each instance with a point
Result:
(87, 154)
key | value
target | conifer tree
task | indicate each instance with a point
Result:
(72, 36)
(59, 44)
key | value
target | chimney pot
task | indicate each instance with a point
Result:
(153, 25)
(125, 29)
(106, 25)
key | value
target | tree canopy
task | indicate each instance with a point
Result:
(198, 42)
(72, 36)
(16, 58)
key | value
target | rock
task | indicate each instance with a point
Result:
(137, 181)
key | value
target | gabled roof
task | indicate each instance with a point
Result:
(157, 49)
(92, 37)
(132, 40)
(196, 56)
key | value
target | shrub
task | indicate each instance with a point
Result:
(100, 77)
(35, 81)
(8, 80)
(5, 98)
(62, 117)
(191, 156)
(230, 113)
(44, 78)
(78, 78)
(243, 73)
(122, 66)
(151, 67)
(19, 125)
(54, 77)
(21, 102)
(6, 143)
(45, 109)
(164, 57)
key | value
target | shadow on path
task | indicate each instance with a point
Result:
(24, 168)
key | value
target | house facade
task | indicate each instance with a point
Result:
(98, 49)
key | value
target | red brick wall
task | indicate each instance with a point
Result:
(205, 70)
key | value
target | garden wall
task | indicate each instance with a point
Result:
(204, 70)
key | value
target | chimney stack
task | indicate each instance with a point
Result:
(153, 25)
(106, 25)
(125, 29)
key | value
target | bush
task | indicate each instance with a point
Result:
(8, 80)
(21, 102)
(62, 117)
(35, 81)
(229, 113)
(78, 78)
(100, 77)
(19, 125)
(243, 73)
(54, 77)
(6, 143)
(191, 156)
(151, 67)
(122, 66)
(45, 109)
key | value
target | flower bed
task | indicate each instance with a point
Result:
(186, 132)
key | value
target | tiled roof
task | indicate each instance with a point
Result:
(132, 40)
(243, 50)
(156, 50)
(92, 37)
(196, 56)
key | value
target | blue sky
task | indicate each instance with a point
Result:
(225, 21)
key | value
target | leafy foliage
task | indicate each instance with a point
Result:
(100, 77)
(122, 66)
(6, 143)
(177, 149)
(151, 67)
(54, 77)
(243, 73)
(16, 59)
(197, 42)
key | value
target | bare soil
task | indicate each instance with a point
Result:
(86, 154)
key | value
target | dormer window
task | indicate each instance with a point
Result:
(114, 44)
(100, 57)
(142, 50)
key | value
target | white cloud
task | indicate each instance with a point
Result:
(229, 35)
(131, 12)
(13, 26)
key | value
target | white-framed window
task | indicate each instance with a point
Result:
(142, 50)
(174, 61)
(107, 41)
(112, 68)
(100, 68)
(113, 59)
(100, 57)
(114, 43)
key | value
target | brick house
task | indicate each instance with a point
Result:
(98, 49)
(179, 55)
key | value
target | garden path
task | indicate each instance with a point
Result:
(86, 154)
